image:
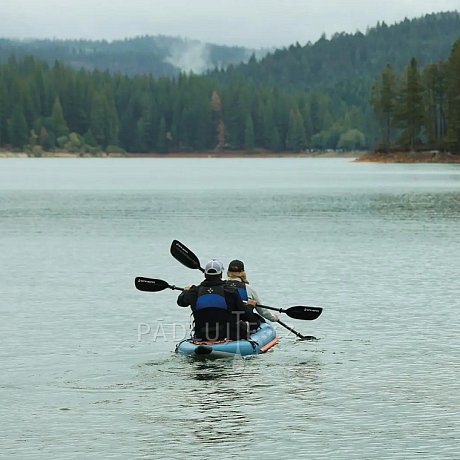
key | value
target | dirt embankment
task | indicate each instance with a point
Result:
(432, 156)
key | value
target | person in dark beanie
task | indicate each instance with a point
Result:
(237, 278)
(218, 311)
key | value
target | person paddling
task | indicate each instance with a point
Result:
(237, 278)
(218, 310)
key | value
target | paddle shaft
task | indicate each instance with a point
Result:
(175, 288)
(282, 310)
(307, 337)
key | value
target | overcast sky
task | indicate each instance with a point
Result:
(250, 23)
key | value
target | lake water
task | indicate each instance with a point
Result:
(87, 363)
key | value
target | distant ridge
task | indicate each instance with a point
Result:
(159, 55)
(328, 60)
(352, 57)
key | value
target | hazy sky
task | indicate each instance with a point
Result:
(251, 23)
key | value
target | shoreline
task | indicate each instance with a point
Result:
(210, 154)
(357, 157)
(432, 156)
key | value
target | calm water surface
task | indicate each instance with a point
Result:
(87, 368)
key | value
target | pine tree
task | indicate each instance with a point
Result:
(104, 120)
(275, 140)
(147, 126)
(162, 142)
(434, 79)
(383, 100)
(97, 119)
(249, 133)
(58, 123)
(410, 110)
(295, 139)
(453, 91)
(18, 130)
(3, 117)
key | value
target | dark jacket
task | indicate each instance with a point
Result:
(252, 318)
(217, 309)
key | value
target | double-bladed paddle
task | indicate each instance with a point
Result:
(297, 312)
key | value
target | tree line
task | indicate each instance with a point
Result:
(419, 108)
(45, 107)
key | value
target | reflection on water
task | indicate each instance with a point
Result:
(222, 403)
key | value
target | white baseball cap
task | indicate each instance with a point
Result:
(214, 267)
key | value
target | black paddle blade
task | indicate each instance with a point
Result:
(184, 255)
(299, 312)
(150, 285)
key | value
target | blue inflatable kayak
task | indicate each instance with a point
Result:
(261, 341)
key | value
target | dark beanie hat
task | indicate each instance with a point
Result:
(236, 266)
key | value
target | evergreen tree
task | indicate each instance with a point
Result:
(268, 123)
(18, 130)
(162, 143)
(58, 123)
(249, 133)
(410, 110)
(453, 91)
(296, 132)
(147, 126)
(275, 140)
(383, 100)
(435, 84)
(104, 120)
(97, 119)
(130, 138)
(3, 117)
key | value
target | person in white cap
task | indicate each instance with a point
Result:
(237, 278)
(218, 310)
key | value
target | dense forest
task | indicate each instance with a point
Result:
(420, 108)
(321, 96)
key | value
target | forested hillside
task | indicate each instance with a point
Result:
(330, 95)
(351, 57)
(159, 55)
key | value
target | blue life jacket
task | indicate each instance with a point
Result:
(211, 297)
(241, 287)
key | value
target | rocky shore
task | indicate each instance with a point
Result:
(433, 156)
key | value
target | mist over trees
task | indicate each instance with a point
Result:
(394, 85)
(157, 55)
